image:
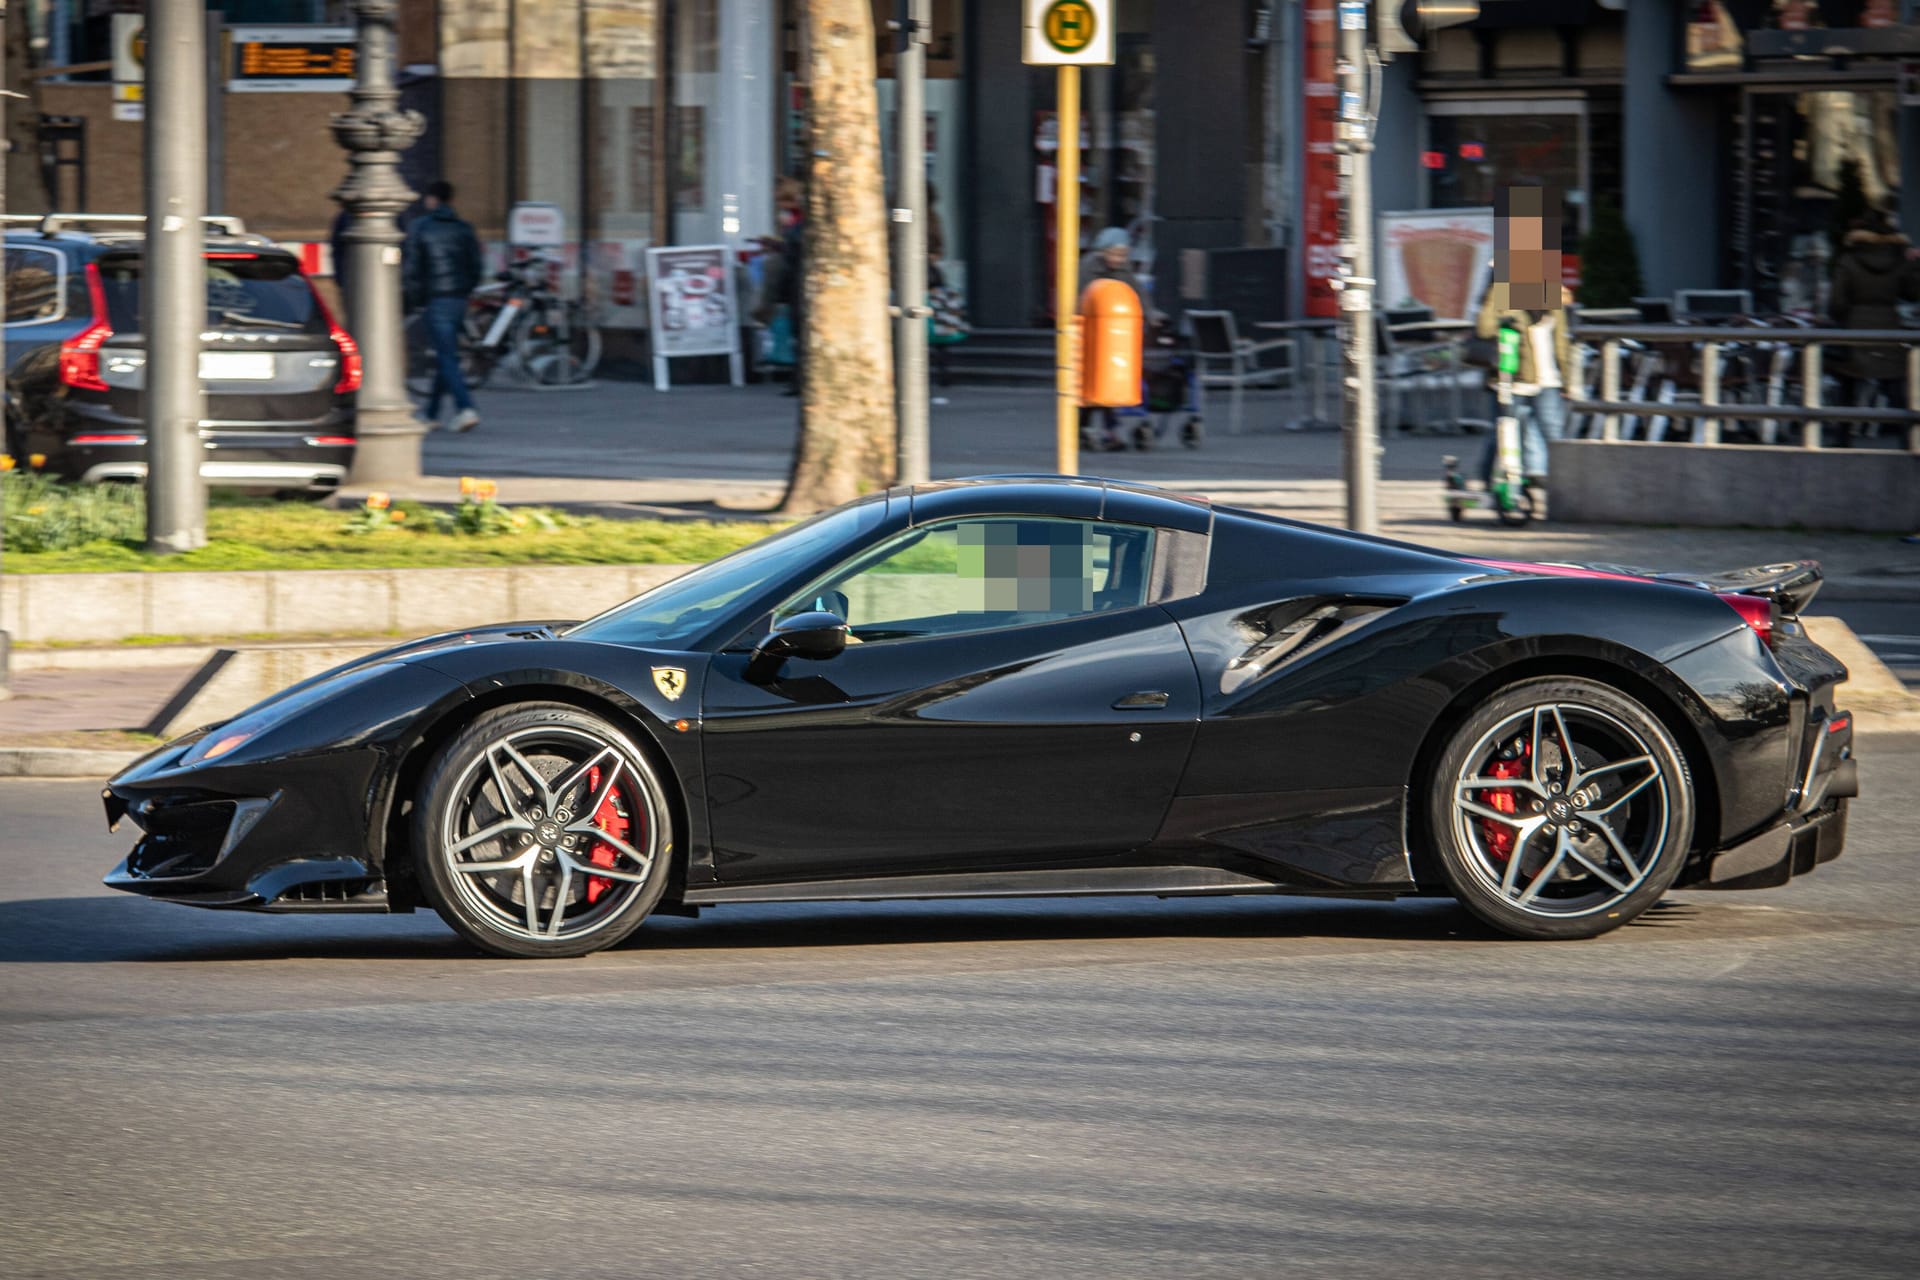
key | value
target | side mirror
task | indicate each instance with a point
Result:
(817, 636)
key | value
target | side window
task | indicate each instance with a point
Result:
(980, 574)
(36, 285)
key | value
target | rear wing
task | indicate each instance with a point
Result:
(1791, 585)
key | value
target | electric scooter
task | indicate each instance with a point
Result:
(1507, 493)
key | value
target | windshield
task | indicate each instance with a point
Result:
(674, 614)
(244, 291)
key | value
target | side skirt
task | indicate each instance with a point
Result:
(1165, 882)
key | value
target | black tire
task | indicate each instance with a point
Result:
(1615, 829)
(1519, 513)
(595, 783)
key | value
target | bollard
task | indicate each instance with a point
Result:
(1810, 375)
(1113, 331)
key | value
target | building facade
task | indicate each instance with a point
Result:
(1725, 129)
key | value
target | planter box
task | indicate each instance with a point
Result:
(1732, 485)
(102, 608)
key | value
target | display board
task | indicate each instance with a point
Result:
(1438, 258)
(692, 307)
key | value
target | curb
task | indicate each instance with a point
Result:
(63, 762)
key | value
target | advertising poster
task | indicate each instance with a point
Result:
(1320, 190)
(1436, 258)
(691, 305)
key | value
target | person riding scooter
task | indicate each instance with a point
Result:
(1527, 295)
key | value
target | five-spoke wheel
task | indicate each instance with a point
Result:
(1561, 809)
(542, 831)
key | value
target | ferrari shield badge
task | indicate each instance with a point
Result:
(671, 681)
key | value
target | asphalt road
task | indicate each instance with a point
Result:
(1890, 628)
(1247, 1087)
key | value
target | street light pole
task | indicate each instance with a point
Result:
(374, 133)
(6, 641)
(174, 299)
(910, 237)
(1361, 417)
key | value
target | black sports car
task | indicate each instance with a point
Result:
(1016, 686)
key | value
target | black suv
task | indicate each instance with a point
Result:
(280, 374)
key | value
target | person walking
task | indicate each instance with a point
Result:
(1873, 275)
(441, 270)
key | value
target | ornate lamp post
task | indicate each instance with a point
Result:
(374, 133)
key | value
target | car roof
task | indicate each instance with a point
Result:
(107, 240)
(1082, 497)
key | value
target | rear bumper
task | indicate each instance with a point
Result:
(302, 473)
(1774, 857)
(1814, 828)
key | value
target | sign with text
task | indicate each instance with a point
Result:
(292, 57)
(1068, 33)
(129, 66)
(1320, 195)
(537, 224)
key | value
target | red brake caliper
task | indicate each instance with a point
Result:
(608, 818)
(1499, 835)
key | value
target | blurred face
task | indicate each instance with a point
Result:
(1114, 256)
(1526, 231)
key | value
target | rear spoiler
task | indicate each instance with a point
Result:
(1790, 585)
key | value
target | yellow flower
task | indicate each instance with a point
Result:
(6, 462)
(466, 486)
(485, 490)
(378, 502)
(519, 522)
(396, 515)
(35, 511)
(36, 460)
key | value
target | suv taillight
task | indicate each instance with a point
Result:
(343, 342)
(80, 354)
(1756, 612)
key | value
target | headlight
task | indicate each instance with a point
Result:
(282, 706)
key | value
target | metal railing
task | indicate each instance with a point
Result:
(1794, 360)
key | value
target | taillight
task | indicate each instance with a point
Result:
(1756, 612)
(80, 354)
(344, 343)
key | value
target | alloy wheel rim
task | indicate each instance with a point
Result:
(541, 835)
(1562, 809)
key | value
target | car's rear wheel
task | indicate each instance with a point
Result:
(1561, 808)
(542, 831)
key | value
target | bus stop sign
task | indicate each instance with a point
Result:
(1068, 33)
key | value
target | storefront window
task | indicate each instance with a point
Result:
(1811, 160)
(1476, 148)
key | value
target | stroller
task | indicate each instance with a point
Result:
(1168, 391)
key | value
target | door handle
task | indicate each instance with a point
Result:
(1142, 701)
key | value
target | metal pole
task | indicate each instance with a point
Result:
(6, 641)
(1066, 267)
(910, 238)
(374, 133)
(1360, 458)
(174, 299)
(216, 111)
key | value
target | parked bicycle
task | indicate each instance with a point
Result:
(518, 316)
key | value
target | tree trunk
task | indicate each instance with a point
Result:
(847, 438)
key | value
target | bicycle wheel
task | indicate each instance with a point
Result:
(559, 347)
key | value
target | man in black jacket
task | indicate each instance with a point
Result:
(441, 268)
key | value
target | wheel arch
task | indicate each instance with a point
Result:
(397, 852)
(1618, 672)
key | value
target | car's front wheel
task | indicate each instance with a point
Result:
(542, 831)
(1561, 808)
